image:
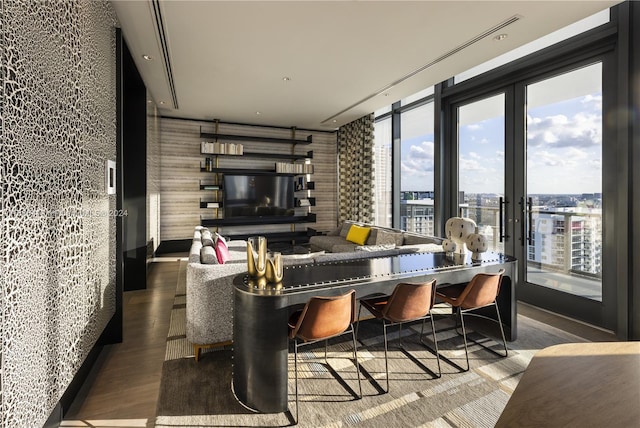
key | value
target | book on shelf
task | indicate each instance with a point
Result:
(294, 168)
(213, 205)
(217, 148)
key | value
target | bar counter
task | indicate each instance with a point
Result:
(261, 310)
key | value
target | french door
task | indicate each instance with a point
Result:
(529, 160)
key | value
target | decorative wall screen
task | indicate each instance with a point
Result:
(57, 238)
(357, 168)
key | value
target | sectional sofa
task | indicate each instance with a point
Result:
(209, 298)
(394, 241)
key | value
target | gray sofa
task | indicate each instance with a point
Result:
(209, 300)
(209, 309)
(381, 239)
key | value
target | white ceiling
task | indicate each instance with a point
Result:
(345, 58)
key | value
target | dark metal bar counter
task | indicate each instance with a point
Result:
(261, 311)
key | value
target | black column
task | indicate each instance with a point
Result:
(134, 174)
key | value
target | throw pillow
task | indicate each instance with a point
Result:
(384, 238)
(344, 229)
(358, 234)
(373, 236)
(206, 238)
(208, 256)
(222, 252)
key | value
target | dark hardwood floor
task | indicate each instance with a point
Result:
(122, 388)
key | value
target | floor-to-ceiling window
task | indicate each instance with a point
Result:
(537, 142)
(383, 168)
(532, 147)
(417, 189)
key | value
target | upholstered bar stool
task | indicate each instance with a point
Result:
(481, 291)
(323, 318)
(407, 303)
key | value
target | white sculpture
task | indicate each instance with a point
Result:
(477, 244)
(458, 229)
(448, 246)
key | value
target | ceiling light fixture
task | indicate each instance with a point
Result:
(258, 113)
(500, 37)
(161, 103)
(286, 79)
(147, 57)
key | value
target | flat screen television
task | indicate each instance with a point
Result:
(258, 196)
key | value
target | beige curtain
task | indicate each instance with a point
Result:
(357, 169)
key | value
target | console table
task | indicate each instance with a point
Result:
(261, 312)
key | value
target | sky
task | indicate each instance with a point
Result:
(564, 140)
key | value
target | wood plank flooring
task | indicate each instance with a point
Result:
(122, 388)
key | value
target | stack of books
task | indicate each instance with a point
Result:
(294, 168)
(221, 148)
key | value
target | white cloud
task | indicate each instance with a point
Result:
(575, 153)
(582, 130)
(424, 151)
(593, 101)
(419, 160)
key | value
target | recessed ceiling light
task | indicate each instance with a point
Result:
(258, 113)
(386, 94)
(161, 103)
(147, 57)
(334, 121)
(500, 37)
(286, 79)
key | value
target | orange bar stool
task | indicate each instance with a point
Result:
(323, 318)
(407, 303)
(481, 291)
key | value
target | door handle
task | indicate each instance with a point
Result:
(503, 203)
(530, 220)
(523, 209)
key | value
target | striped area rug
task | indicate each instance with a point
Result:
(199, 394)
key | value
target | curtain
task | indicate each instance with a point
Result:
(356, 159)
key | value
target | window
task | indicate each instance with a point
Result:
(383, 185)
(417, 170)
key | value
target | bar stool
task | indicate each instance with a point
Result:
(407, 303)
(323, 318)
(481, 291)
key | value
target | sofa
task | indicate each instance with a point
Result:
(209, 300)
(209, 287)
(380, 240)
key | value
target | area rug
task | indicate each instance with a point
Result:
(200, 394)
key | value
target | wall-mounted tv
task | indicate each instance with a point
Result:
(258, 196)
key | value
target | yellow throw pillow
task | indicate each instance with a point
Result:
(358, 234)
